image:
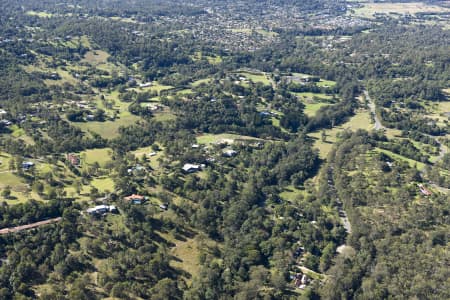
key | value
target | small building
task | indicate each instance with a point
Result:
(101, 209)
(145, 84)
(191, 168)
(135, 199)
(136, 170)
(424, 190)
(26, 165)
(6, 122)
(2, 113)
(73, 159)
(164, 206)
(229, 153)
(152, 154)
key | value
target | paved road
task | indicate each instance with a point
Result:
(28, 226)
(373, 110)
(342, 213)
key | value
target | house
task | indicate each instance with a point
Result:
(144, 85)
(2, 113)
(6, 122)
(424, 190)
(164, 206)
(73, 159)
(191, 168)
(135, 199)
(301, 281)
(136, 170)
(26, 165)
(229, 153)
(101, 209)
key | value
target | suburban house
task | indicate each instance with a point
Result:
(137, 170)
(229, 153)
(424, 190)
(135, 199)
(301, 281)
(101, 209)
(26, 165)
(73, 159)
(191, 168)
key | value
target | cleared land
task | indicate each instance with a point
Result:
(369, 9)
(108, 129)
(359, 121)
(29, 226)
(221, 138)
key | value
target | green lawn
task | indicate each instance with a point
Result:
(103, 184)
(261, 77)
(228, 137)
(411, 162)
(201, 81)
(108, 129)
(312, 108)
(40, 14)
(359, 121)
(102, 156)
(326, 83)
(311, 96)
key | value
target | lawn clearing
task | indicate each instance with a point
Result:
(312, 108)
(102, 156)
(96, 57)
(187, 254)
(412, 163)
(201, 81)
(307, 96)
(40, 14)
(103, 184)
(223, 137)
(256, 77)
(359, 121)
(290, 193)
(108, 129)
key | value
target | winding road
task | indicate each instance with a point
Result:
(373, 110)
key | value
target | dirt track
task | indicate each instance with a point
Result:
(28, 226)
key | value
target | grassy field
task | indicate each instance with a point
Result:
(326, 83)
(187, 254)
(153, 159)
(103, 184)
(214, 60)
(359, 121)
(108, 129)
(412, 163)
(291, 193)
(40, 14)
(215, 138)
(369, 9)
(312, 108)
(199, 82)
(4, 162)
(96, 57)
(307, 96)
(102, 156)
(155, 87)
(261, 77)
